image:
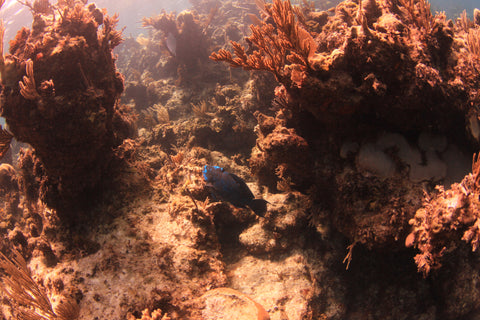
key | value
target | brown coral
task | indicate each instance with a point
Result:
(447, 217)
(281, 156)
(154, 315)
(361, 61)
(72, 119)
(370, 67)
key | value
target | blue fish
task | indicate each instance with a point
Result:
(231, 188)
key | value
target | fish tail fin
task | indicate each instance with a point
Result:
(259, 206)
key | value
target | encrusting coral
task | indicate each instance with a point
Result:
(60, 92)
(5, 139)
(156, 247)
(146, 315)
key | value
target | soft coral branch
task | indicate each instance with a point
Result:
(275, 46)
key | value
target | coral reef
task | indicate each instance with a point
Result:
(146, 315)
(184, 38)
(365, 56)
(356, 124)
(346, 77)
(446, 218)
(66, 107)
(382, 95)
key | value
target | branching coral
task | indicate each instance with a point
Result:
(2, 35)
(154, 315)
(473, 46)
(109, 37)
(463, 22)
(156, 114)
(27, 87)
(38, 6)
(201, 109)
(473, 42)
(363, 56)
(274, 47)
(370, 67)
(165, 22)
(418, 11)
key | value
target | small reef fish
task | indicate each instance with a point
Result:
(171, 43)
(231, 188)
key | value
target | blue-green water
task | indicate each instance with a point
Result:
(454, 8)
